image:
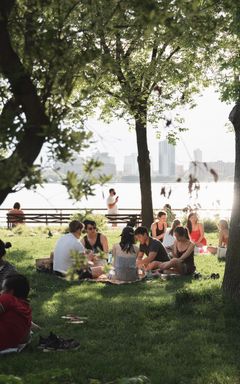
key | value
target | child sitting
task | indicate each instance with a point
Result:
(15, 312)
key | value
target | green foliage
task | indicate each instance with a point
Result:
(100, 220)
(210, 225)
(10, 379)
(79, 187)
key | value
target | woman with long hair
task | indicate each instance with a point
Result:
(196, 230)
(182, 262)
(126, 246)
(169, 237)
(223, 237)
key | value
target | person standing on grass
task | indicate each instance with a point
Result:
(112, 201)
(5, 267)
(15, 312)
(158, 228)
(153, 248)
(182, 261)
(62, 259)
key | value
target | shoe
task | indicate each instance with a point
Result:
(56, 343)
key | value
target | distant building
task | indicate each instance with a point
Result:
(130, 166)
(179, 170)
(166, 159)
(225, 171)
(197, 155)
(109, 166)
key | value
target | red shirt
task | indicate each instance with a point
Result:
(15, 321)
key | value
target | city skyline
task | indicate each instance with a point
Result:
(208, 132)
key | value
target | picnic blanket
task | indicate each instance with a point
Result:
(105, 279)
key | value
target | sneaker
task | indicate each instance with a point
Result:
(56, 343)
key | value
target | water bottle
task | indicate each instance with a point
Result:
(110, 258)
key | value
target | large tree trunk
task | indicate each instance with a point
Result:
(17, 166)
(144, 166)
(231, 281)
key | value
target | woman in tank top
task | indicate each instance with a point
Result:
(196, 230)
(93, 240)
(159, 227)
(223, 237)
(182, 262)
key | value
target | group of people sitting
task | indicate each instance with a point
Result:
(169, 250)
(166, 250)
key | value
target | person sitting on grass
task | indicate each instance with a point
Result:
(169, 237)
(159, 227)
(153, 248)
(94, 240)
(223, 237)
(62, 259)
(196, 230)
(15, 312)
(5, 267)
(182, 262)
(127, 246)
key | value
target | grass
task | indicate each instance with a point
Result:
(174, 332)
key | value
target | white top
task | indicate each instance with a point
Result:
(168, 239)
(114, 209)
(117, 251)
(62, 260)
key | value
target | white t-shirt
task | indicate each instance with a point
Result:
(117, 251)
(168, 239)
(62, 260)
(114, 209)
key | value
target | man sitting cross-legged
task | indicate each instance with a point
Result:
(153, 248)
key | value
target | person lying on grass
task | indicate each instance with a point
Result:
(182, 262)
(5, 267)
(153, 248)
(15, 312)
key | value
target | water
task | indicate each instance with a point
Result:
(211, 195)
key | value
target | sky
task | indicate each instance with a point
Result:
(207, 131)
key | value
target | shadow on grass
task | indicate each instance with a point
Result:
(178, 331)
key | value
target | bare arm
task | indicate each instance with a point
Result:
(188, 252)
(174, 252)
(104, 242)
(220, 241)
(150, 258)
(140, 255)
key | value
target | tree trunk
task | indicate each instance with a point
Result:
(18, 165)
(144, 166)
(231, 281)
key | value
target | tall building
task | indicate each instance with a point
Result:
(166, 159)
(130, 166)
(197, 155)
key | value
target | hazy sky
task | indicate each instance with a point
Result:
(207, 131)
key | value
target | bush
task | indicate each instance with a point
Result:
(100, 220)
(210, 225)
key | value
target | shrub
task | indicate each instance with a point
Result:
(100, 220)
(210, 225)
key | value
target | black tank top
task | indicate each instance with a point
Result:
(159, 231)
(95, 247)
(189, 261)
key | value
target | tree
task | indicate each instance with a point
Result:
(151, 61)
(41, 68)
(228, 80)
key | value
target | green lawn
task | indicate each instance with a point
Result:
(174, 332)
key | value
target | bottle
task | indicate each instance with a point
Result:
(110, 258)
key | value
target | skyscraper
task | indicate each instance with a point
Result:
(166, 159)
(130, 166)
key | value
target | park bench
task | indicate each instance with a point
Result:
(64, 218)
